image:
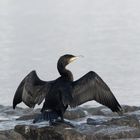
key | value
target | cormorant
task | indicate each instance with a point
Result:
(63, 92)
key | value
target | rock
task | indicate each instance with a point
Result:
(94, 111)
(61, 132)
(69, 114)
(74, 114)
(104, 111)
(131, 121)
(10, 135)
(30, 114)
(134, 113)
(127, 108)
(117, 127)
(109, 131)
(9, 111)
(1, 106)
(101, 111)
(82, 132)
(117, 132)
(90, 123)
(27, 117)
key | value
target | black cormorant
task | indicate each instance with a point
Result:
(63, 92)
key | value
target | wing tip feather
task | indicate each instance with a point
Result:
(118, 109)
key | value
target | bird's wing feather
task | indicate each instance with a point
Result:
(92, 87)
(31, 90)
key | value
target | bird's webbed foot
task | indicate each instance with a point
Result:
(47, 115)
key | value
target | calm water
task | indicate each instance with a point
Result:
(33, 34)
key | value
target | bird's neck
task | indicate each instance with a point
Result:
(65, 73)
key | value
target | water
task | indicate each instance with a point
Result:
(34, 34)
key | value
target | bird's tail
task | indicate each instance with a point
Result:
(46, 116)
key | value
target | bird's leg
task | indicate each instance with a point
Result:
(62, 118)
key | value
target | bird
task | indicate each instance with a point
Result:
(63, 92)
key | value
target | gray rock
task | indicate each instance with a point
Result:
(131, 121)
(69, 114)
(102, 124)
(74, 114)
(27, 117)
(127, 108)
(118, 132)
(94, 111)
(10, 135)
(91, 121)
(82, 132)
(61, 132)
(104, 111)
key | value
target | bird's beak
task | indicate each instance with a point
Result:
(75, 58)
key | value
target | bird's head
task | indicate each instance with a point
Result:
(65, 60)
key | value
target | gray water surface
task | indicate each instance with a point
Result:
(34, 34)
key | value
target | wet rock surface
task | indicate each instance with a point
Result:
(89, 123)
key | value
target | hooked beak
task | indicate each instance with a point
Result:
(75, 58)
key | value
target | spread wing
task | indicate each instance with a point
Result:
(92, 87)
(31, 90)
